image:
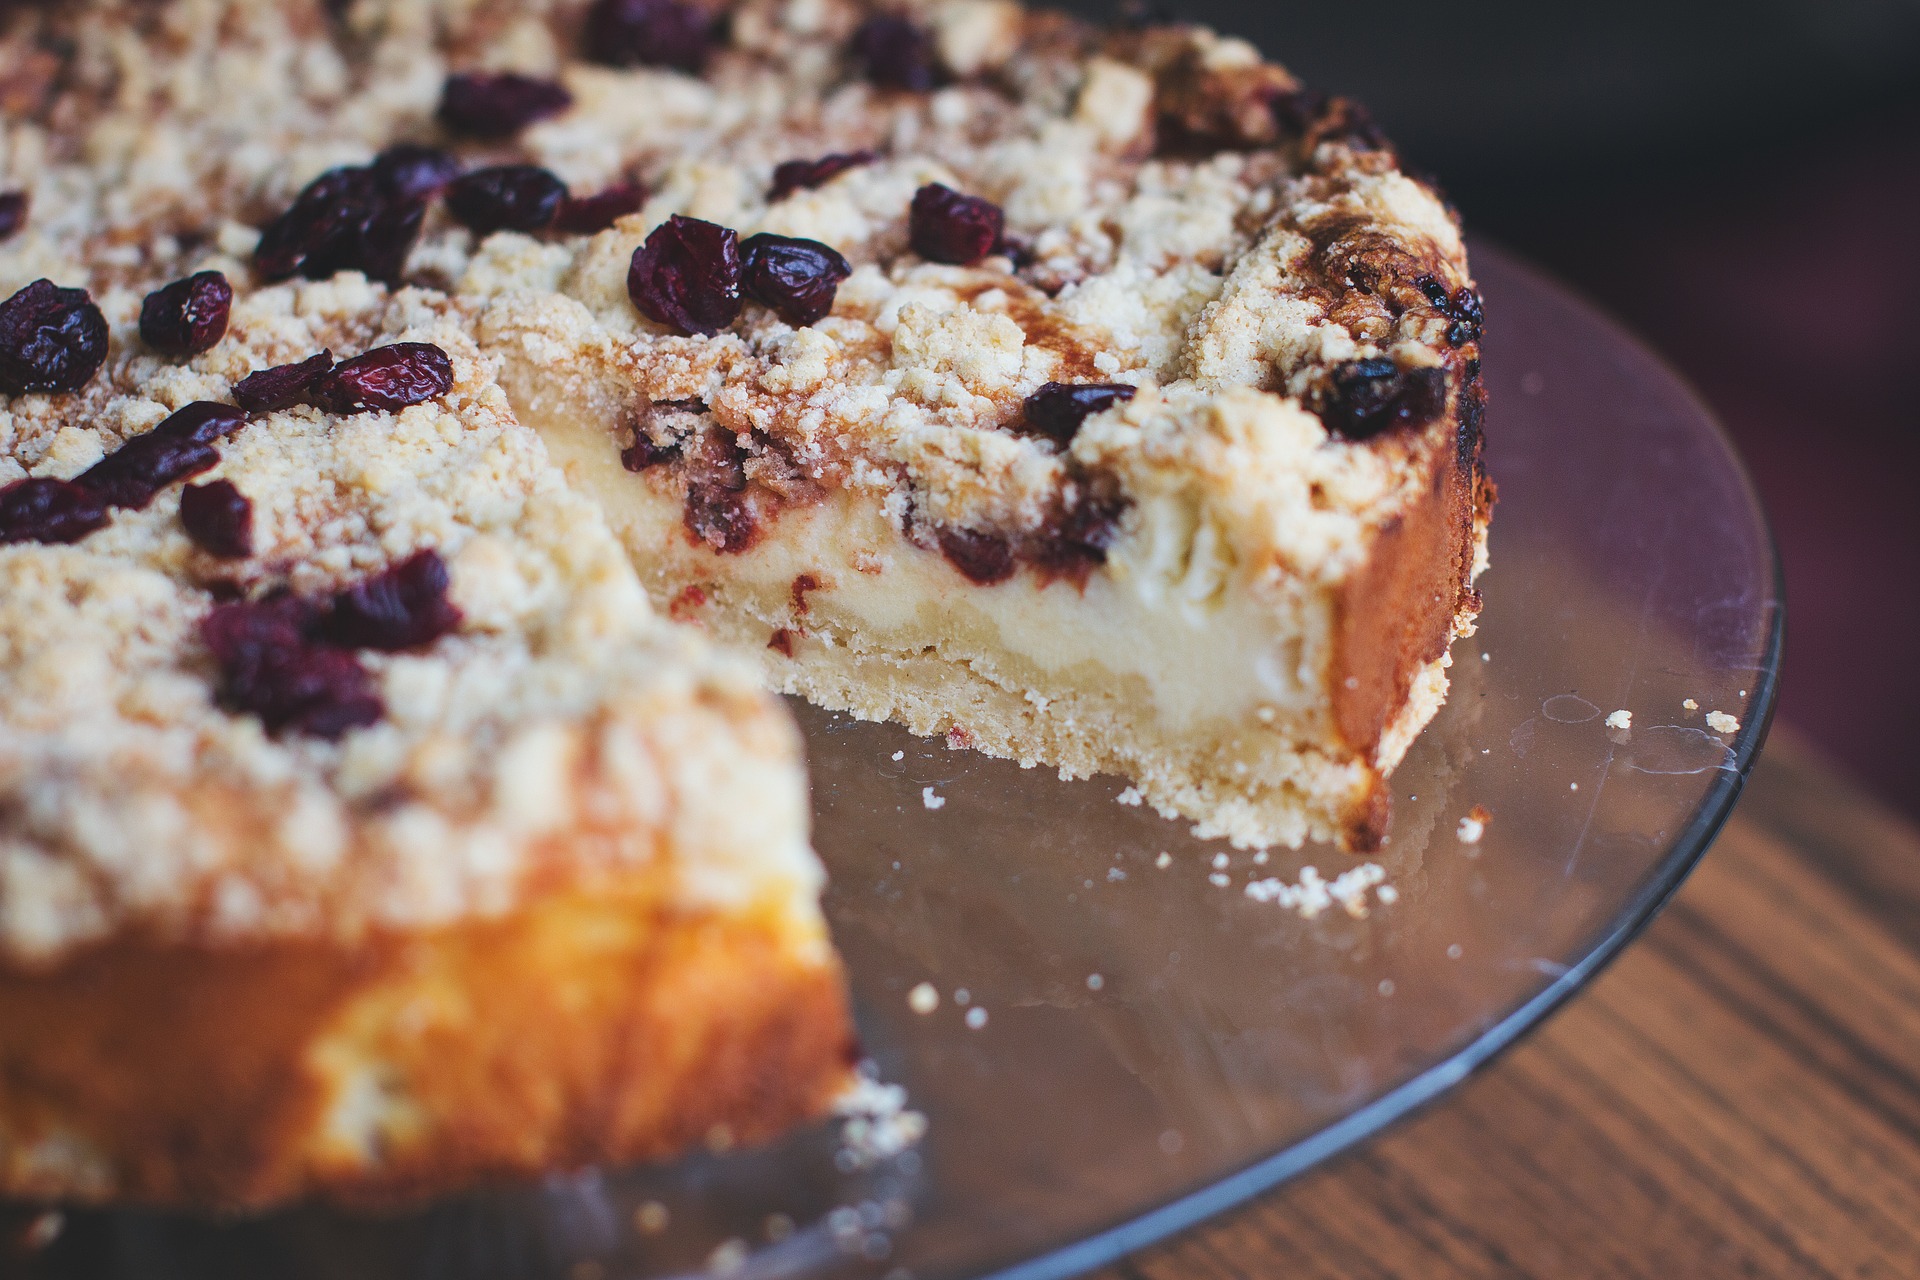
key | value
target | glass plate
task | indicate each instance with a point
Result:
(1153, 1044)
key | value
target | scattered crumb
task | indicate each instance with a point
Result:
(1260, 858)
(1313, 895)
(923, 998)
(729, 1259)
(651, 1218)
(1387, 894)
(1486, 657)
(1573, 786)
(1743, 693)
(1690, 705)
(1454, 952)
(1721, 722)
(976, 1018)
(931, 800)
(1622, 719)
(1386, 986)
(1095, 982)
(962, 996)
(1130, 796)
(1115, 873)
(1164, 861)
(899, 755)
(1474, 825)
(1219, 879)
(1220, 861)
(878, 1124)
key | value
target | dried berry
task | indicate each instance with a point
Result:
(131, 475)
(202, 422)
(43, 510)
(896, 53)
(1057, 409)
(985, 558)
(647, 452)
(717, 510)
(188, 316)
(508, 197)
(649, 33)
(498, 105)
(218, 518)
(13, 212)
(792, 175)
(345, 220)
(51, 340)
(945, 226)
(1080, 537)
(585, 215)
(282, 386)
(403, 607)
(1365, 397)
(1463, 307)
(269, 668)
(389, 378)
(687, 275)
(796, 278)
(409, 172)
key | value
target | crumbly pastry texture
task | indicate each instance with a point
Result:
(1233, 580)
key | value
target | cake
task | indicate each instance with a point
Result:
(1098, 399)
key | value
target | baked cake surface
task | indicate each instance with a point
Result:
(1102, 399)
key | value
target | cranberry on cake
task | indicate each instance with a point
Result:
(1107, 401)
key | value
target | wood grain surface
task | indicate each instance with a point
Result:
(1738, 1095)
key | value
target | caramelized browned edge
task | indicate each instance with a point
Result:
(185, 1062)
(1397, 615)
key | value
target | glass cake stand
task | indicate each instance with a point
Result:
(1139, 1046)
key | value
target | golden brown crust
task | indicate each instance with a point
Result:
(600, 1026)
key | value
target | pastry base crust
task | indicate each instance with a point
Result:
(599, 1024)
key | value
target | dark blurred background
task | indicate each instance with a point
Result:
(1740, 183)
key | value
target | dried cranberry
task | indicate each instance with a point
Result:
(498, 105)
(687, 275)
(348, 219)
(1057, 409)
(187, 316)
(389, 378)
(13, 212)
(269, 668)
(1081, 537)
(1365, 397)
(897, 53)
(282, 386)
(649, 33)
(585, 215)
(202, 422)
(792, 175)
(388, 238)
(797, 278)
(720, 517)
(131, 475)
(51, 340)
(1463, 307)
(43, 510)
(403, 607)
(408, 172)
(508, 197)
(647, 452)
(219, 519)
(985, 558)
(945, 226)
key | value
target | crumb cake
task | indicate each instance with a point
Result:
(1102, 399)
(488, 870)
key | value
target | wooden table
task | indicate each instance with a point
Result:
(1739, 1095)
